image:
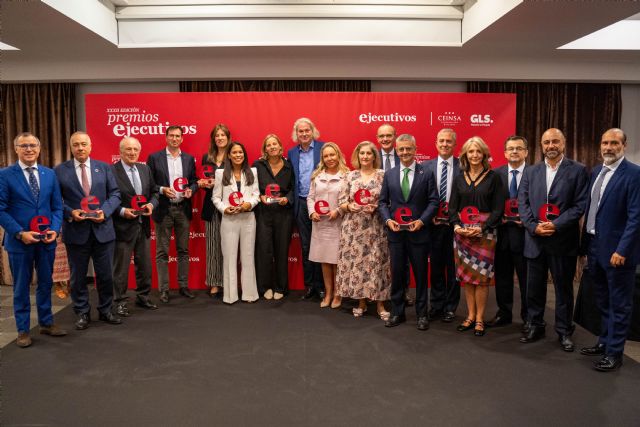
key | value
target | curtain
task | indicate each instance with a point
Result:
(276, 86)
(48, 110)
(583, 111)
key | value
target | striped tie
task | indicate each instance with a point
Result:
(443, 182)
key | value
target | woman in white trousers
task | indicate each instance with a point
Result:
(235, 194)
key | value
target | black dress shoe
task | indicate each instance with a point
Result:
(498, 321)
(122, 310)
(448, 317)
(395, 321)
(608, 364)
(309, 293)
(164, 297)
(83, 321)
(435, 314)
(566, 343)
(596, 350)
(110, 318)
(185, 292)
(423, 323)
(146, 304)
(534, 334)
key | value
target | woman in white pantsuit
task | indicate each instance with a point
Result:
(238, 222)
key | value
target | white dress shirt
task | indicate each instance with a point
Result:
(449, 175)
(76, 164)
(412, 171)
(175, 172)
(551, 173)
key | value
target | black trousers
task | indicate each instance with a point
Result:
(312, 270)
(445, 289)
(417, 255)
(562, 270)
(506, 263)
(273, 236)
(140, 246)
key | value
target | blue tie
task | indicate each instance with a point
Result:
(33, 183)
(513, 187)
(134, 180)
(443, 182)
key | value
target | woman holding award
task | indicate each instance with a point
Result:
(364, 269)
(326, 215)
(475, 210)
(274, 218)
(211, 161)
(235, 194)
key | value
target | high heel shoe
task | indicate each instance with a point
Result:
(479, 329)
(337, 304)
(466, 325)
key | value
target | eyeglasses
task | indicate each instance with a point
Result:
(514, 149)
(386, 136)
(27, 146)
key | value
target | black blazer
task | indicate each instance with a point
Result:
(207, 204)
(395, 156)
(285, 179)
(122, 225)
(157, 162)
(510, 235)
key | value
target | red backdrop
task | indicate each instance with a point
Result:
(344, 118)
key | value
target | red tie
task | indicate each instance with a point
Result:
(85, 180)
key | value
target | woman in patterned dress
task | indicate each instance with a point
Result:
(364, 269)
(475, 209)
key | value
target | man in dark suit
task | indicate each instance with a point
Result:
(408, 186)
(88, 236)
(509, 258)
(386, 137)
(132, 226)
(551, 199)
(304, 158)
(445, 289)
(173, 213)
(29, 191)
(611, 237)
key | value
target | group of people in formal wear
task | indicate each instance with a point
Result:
(363, 230)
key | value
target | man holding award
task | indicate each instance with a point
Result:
(91, 196)
(31, 215)
(139, 195)
(552, 197)
(511, 236)
(408, 202)
(445, 289)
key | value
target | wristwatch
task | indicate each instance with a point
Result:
(18, 235)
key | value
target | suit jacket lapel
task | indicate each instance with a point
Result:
(562, 170)
(617, 175)
(418, 175)
(185, 165)
(144, 178)
(19, 177)
(124, 176)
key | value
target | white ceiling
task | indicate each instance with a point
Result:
(134, 40)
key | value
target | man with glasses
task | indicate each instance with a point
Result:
(386, 137)
(31, 216)
(510, 243)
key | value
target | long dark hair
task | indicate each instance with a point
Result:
(228, 167)
(213, 148)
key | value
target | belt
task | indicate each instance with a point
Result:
(177, 204)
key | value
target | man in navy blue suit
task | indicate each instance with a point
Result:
(551, 199)
(445, 289)
(88, 236)
(29, 191)
(509, 258)
(304, 158)
(611, 236)
(408, 186)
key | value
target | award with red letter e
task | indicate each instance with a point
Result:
(321, 207)
(442, 216)
(272, 193)
(403, 217)
(137, 204)
(180, 184)
(362, 197)
(89, 206)
(236, 200)
(470, 216)
(40, 224)
(511, 213)
(208, 173)
(548, 212)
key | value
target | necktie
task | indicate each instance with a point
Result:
(513, 187)
(406, 188)
(134, 181)
(595, 199)
(443, 181)
(387, 162)
(33, 183)
(85, 180)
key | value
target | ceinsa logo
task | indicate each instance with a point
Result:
(387, 118)
(449, 118)
(481, 120)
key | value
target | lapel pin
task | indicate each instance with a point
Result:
(97, 170)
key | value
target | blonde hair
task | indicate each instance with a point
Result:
(314, 131)
(355, 159)
(342, 166)
(464, 161)
(263, 149)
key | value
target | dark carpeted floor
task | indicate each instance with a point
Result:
(290, 363)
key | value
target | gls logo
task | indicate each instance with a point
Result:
(481, 120)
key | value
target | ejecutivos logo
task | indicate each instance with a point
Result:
(449, 118)
(133, 121)
(481, 120)
(387, 118)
